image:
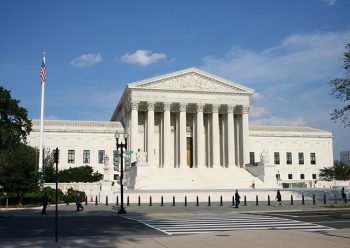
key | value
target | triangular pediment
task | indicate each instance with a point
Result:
(191, 80)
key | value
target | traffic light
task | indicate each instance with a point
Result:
(56, 155)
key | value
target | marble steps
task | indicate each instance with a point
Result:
(184, 178)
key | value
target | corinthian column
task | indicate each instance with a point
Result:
(200, 142)
(183, 143)
(215, 136)
(230, 136)
(166, 134)
(245, 134)
(134, 127)
(150, 132)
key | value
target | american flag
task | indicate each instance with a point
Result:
(43, 72)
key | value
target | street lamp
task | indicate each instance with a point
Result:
(122, 147)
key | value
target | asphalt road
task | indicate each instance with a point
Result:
(70, 226)
(16, 226)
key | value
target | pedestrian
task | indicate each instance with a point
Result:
(279, 198)
(78, 202)
(343, 195)
(45, 202)
(237, 198)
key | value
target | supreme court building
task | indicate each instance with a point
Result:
(190, 130)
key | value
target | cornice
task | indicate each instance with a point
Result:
(287, 131)
(187, 92)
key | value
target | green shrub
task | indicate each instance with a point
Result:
(71, 194)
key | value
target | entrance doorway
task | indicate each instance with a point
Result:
(189, 152)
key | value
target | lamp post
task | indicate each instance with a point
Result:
(122, 147)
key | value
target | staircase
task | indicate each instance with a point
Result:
(145, 178)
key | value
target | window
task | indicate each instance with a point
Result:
(277, 157)
(101, 156)
(313, 158)
(302, 176)
(290, 176)
(71, 156)
(86, 156)
(301, 157)
(314, 176)
(289, 158)
(252, 157)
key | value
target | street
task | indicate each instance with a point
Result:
(159, 221)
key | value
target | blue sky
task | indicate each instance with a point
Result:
(286, 50)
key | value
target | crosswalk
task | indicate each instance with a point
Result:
(203, 224)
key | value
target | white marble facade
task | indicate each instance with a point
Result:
(190, 129)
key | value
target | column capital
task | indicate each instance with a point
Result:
(134, 105)
(215, 108)
(182, 106)
(245, 109)
(231, 108)
(199, 107)
(166, 106)
(150, 106)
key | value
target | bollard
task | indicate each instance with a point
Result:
(245, 200)
(117, 202)
(233, 200)
(257, 201)
(302, 199)
(209, 204)
(86, 203)
(150, 200)
(106, 200)
(139, 201)
(268, 201)
(221, 204)
(96, 201)
(313, 199)
(335, 199)
(161, 202)
(127, 201)
(291, 200)
(197, 203)
(324, 198)
(173, 200)
(185, 201)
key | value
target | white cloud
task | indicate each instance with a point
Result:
(143, 57)
(330, 2)
(262, 116)
(291, 77)
(86, 60)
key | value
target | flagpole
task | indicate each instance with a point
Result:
(40, 167)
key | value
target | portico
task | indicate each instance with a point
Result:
(191, 119)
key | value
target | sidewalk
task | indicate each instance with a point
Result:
(241, 239)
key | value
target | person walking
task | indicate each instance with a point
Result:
(78, 202)
(278, 198)
(343, 194)
(237, 198)
(45, 202)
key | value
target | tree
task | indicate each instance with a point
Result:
(340, 171)
(49, 168)
(79, 174)
(341, 90)
(18, 170)
(327, 174)
(14, 122)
